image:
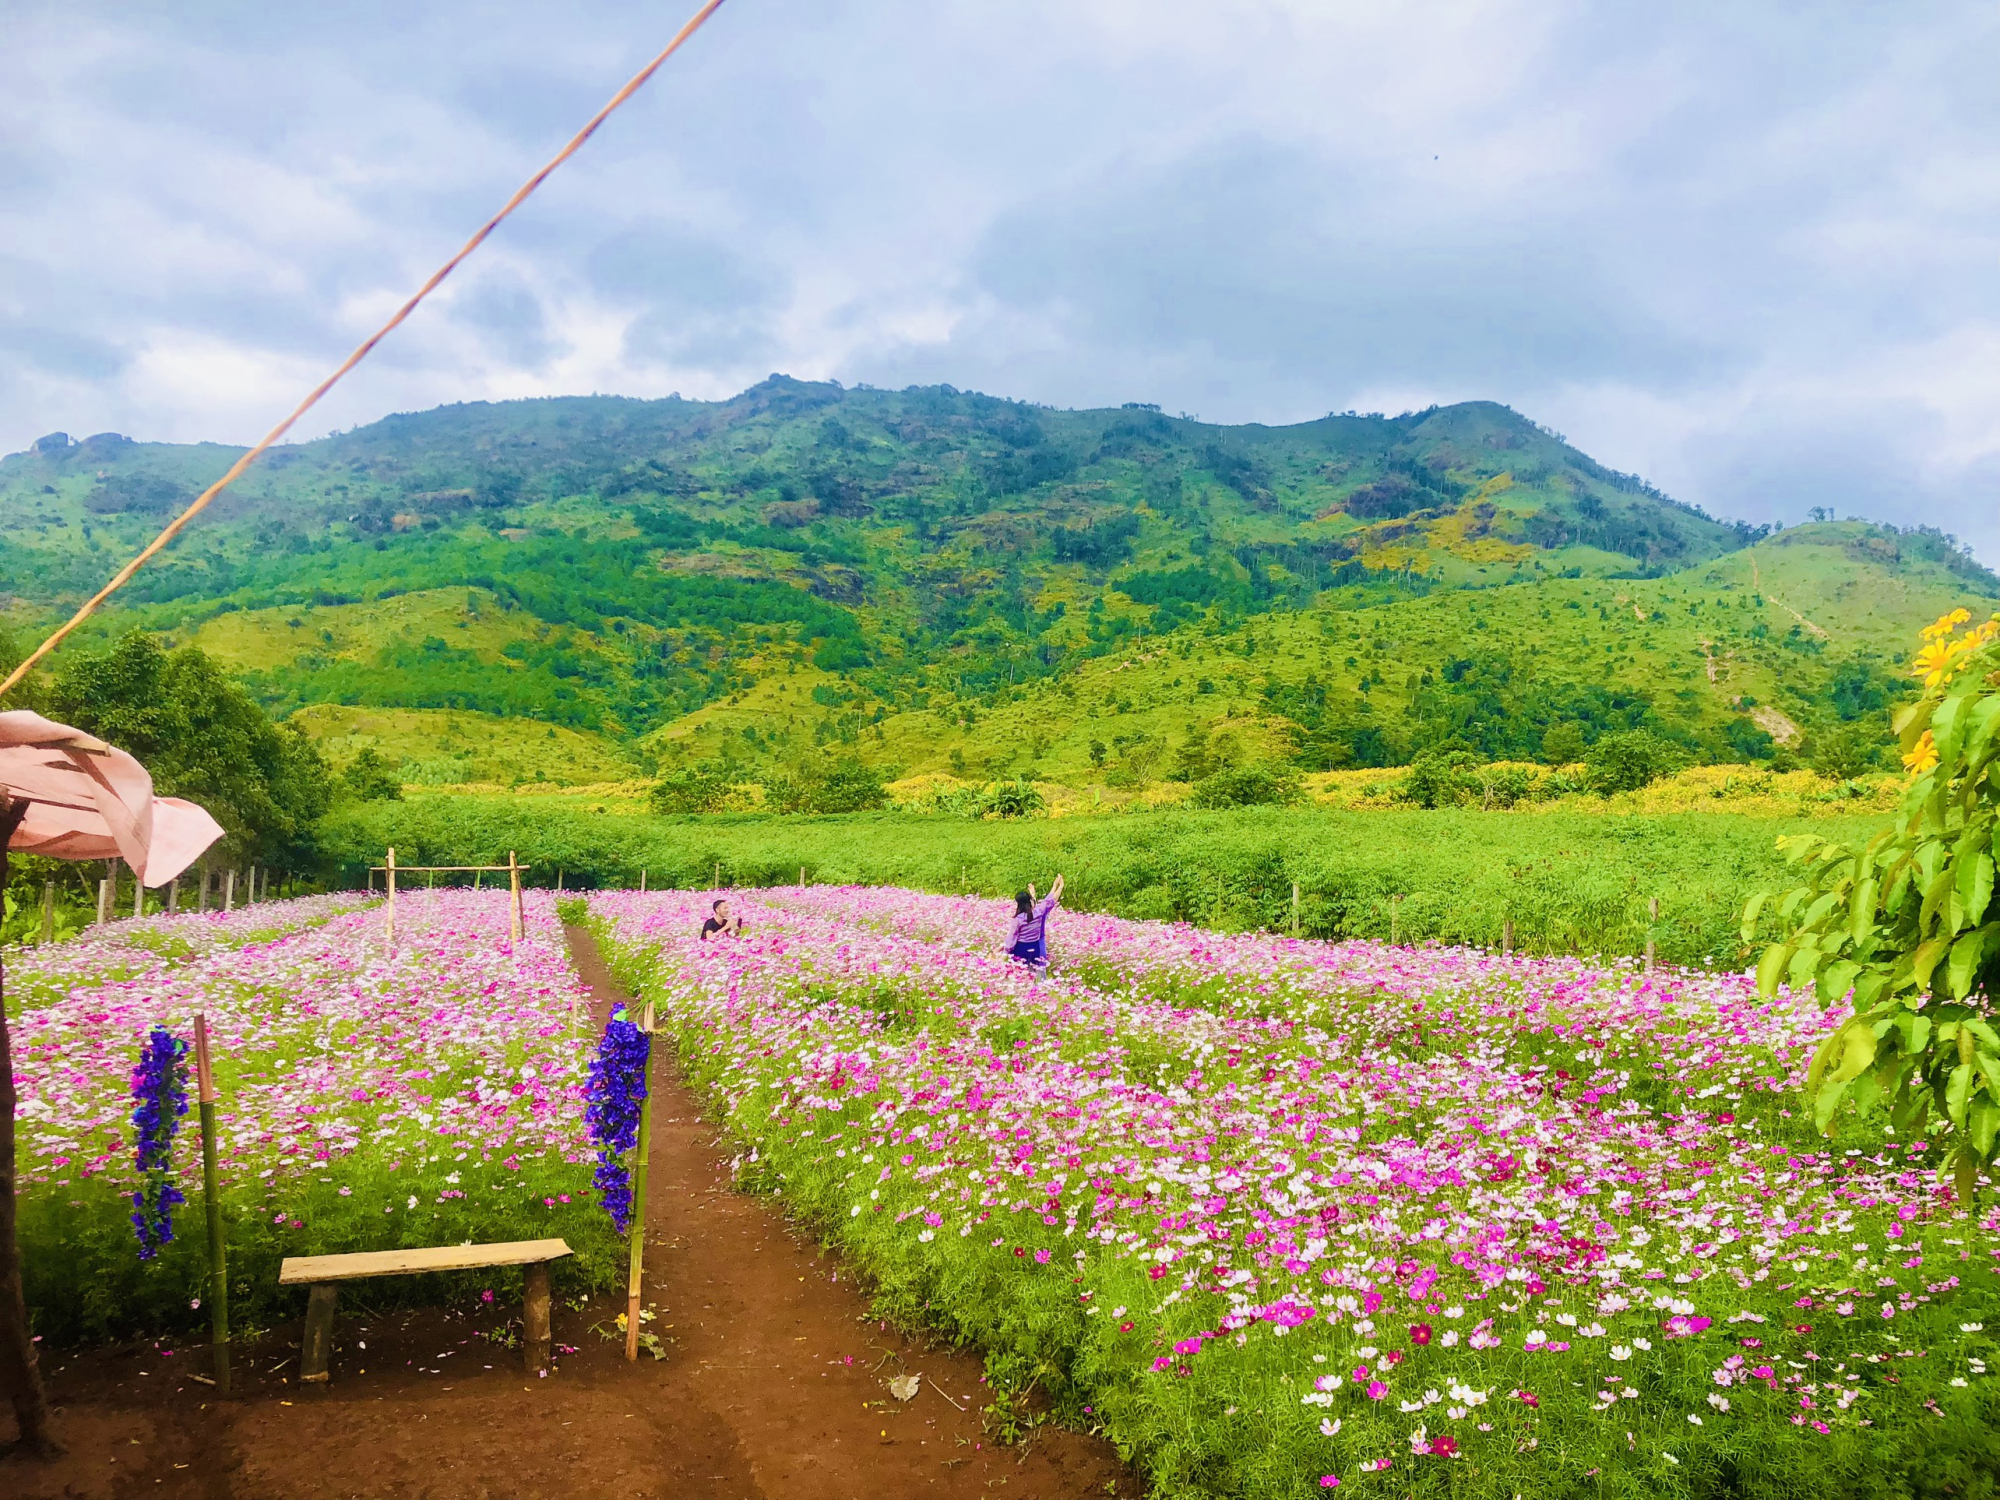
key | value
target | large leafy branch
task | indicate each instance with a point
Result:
(1907, 924)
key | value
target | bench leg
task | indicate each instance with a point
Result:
(535, 1335)
(317, 1346)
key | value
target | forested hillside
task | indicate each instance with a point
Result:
(937, 580)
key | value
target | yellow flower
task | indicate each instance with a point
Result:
(1923, 757)
(1947, 624)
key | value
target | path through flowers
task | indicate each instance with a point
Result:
(1278, 1215)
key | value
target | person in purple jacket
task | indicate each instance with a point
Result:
(1029, 941)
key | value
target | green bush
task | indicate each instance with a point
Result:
(1626, 761)
(1247, 786)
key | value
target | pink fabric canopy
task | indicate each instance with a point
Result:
(89, 801)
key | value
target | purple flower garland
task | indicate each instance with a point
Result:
(159, 1085)
(616, 1089)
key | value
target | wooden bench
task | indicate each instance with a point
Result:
(323, 1273)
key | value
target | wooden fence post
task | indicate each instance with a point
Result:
(104, 901)
(229, 889)
(218, 1254)
(802, 877)
(174, 896)
(1295, 908)
(1395, 918)
(513, 897)
(642, 879)
(389, 875)
(48, 911)
(1652, 932)
(536, 1337)
(1507, 938)
(138, 895)
(641, 1156)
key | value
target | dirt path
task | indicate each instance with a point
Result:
(775, 1385)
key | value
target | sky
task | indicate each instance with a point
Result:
(1750, 251)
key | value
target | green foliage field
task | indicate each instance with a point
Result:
(1569, 882)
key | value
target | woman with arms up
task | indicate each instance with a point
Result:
(1029, 941)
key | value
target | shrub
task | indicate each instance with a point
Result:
(693, 789)
(1012, 799)
(369, 778)
(1440, 778)
(1247, 786)
(813, 787)
(1626, 761)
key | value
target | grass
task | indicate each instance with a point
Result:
(1569, 881)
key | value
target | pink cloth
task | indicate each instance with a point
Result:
(89, 801)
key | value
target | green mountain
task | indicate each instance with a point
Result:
(939, 580)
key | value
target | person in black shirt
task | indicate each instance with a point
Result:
(719, 922)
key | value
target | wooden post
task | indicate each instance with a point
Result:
(1295, 908)
(642, 880)
(802, 877)
(174, 896)
(559, 880)
(642, 1154)
(104, 901)
(390, 878)
(138, 895)
(1652, 945)
(218, 1255)
(1395, 917)
(1507, 937)
(478, 880)
(513, 897)
(718, 875)
(535, 1334)
(229, 889)
(317, 1345)
(48, 911)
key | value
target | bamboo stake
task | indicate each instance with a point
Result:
(802, 877)
(218, 1253)
(642, 1156)
(642, 880)
(391, 923)
(513, 897)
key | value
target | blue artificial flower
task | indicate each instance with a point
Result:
(615, 1092)
(159, 1087)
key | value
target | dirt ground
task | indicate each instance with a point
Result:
(775, 1385)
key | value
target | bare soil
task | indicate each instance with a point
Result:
(774, 1384)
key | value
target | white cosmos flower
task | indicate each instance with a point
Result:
(1621, 1352)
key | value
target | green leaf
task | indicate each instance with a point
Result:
(1965, 1175)
(1981, 727)
(1752, 910)
(1966, 954)
(1926, 959)
(1975, 884)
(1857, 1051)
(1957, 1093)
(1981, 1125)
(1805, 963)
(1861, 912)
(1948, 730)
(1989, 1072)
(1835, 980)
(1770, 966)
(1825, 1104)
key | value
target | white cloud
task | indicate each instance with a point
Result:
(1743, 250)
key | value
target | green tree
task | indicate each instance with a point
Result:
(814, 786)
(698, 788)
(202, 737)
(1630, 759)
(1440, 778)
(1247, 786)
(1562, 743)
(1846, 751)
(369, 778)
(1906, 923)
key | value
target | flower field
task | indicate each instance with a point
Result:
(1284, 1217)
(368, 1100)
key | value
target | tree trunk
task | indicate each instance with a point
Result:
(20, 1380)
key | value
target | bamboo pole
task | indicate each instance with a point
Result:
(642, 879)
(642, 1155)
(513, 897)
(391, 919)
(218, 1254)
